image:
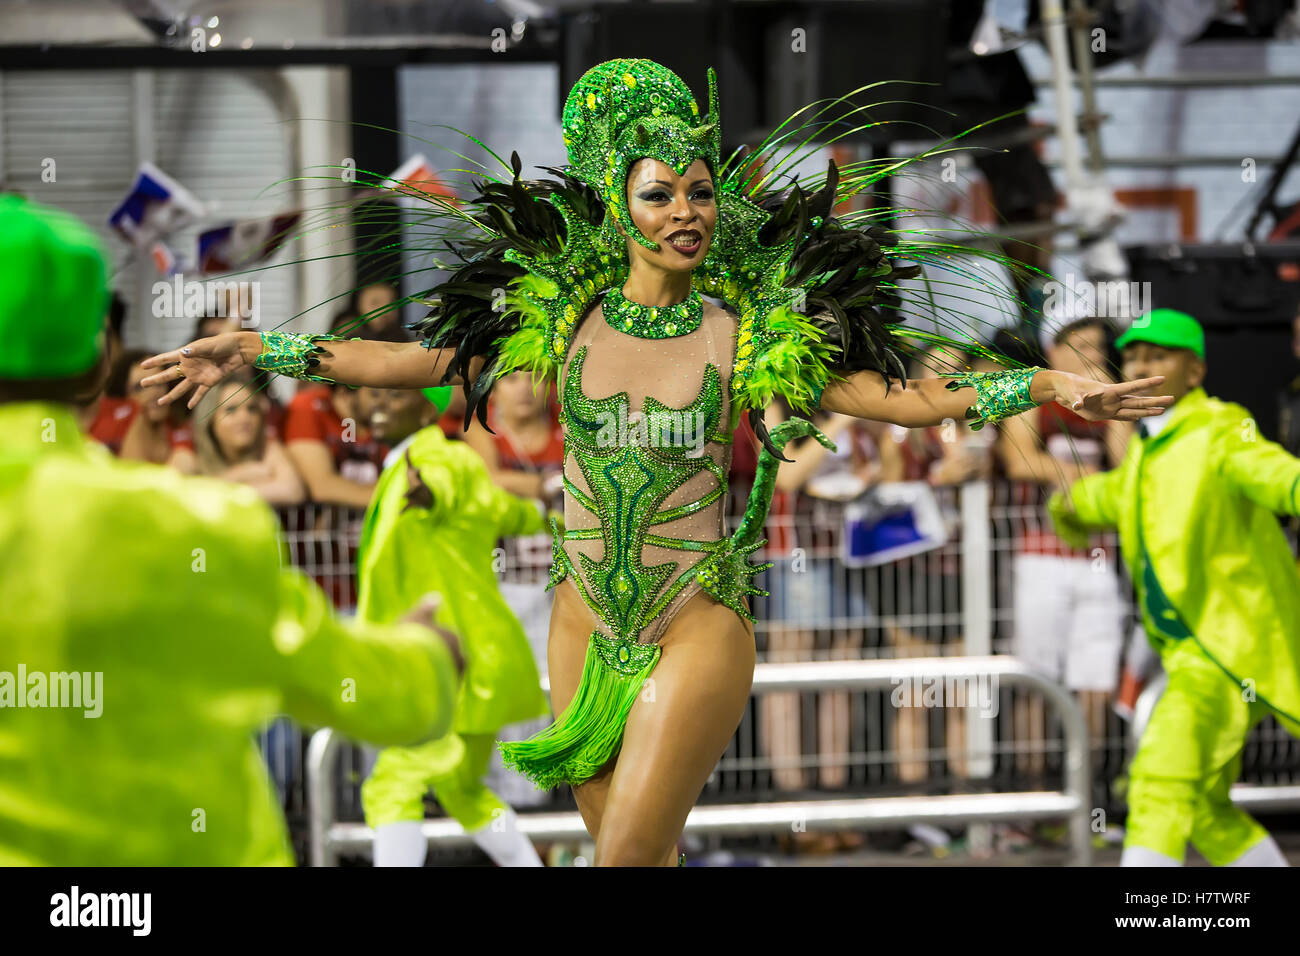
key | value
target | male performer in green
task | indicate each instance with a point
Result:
(433, 525)
(1195, 500)
(148, 630)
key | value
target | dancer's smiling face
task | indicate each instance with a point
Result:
(668, 207)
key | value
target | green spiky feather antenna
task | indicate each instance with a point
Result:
(818, 296)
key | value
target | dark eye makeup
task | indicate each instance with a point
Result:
(659, 195)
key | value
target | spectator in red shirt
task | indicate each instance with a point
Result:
(526, 455)
(114, 411)
(234, 441)
(332, 452)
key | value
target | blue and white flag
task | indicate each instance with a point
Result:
(156, 207)
(895, 520)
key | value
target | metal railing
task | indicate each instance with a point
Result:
(330, 837)
(956, 600)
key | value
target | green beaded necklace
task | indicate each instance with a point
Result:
(653, 322)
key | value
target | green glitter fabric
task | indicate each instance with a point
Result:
(999, 395)
(629, 478)
(629, 482)
(294, 355)
(651, 322)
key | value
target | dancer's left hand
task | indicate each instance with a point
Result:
(1099, 401)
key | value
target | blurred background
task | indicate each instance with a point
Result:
(252, 164)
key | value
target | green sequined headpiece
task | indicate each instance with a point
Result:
(626, 110)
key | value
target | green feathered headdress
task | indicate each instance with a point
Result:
(623, 111)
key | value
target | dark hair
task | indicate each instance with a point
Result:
(116, 314)
(198, 324)
(73, 390)
(121, 371)
(1085, 323)
(392, 333)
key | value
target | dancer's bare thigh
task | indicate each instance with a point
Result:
(677, 730)
(701, 682)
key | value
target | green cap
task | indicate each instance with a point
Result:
(1167, 327)
(439, 396)
(53, 292)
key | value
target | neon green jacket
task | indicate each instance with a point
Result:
(435, 529)
(169, 589)
(1195, 506)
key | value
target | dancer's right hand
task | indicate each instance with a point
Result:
(422, 613)
(201, 364)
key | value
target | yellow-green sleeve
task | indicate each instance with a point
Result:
(1090, 504)
(515, 515)
(461, 482)
(386, 684)
(1260, 469)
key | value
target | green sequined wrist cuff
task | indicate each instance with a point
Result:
(998, 395)
(288, 353)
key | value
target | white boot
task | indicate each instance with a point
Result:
(1264, 853)
(1144, 856)
(400, 844)
(502, 841)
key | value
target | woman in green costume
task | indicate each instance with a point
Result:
(595, 277)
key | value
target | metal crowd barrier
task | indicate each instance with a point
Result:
(329, 837)
(957, 600)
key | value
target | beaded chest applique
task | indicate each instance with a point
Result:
(631, 469)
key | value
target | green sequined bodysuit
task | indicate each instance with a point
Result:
(645, 475)
(646, 487)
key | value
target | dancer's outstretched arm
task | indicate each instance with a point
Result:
(994, 395)
(204, 363)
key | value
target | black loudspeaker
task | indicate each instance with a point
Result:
(1246, 297)
(824, 50)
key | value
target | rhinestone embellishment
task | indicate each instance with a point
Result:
(653, 322)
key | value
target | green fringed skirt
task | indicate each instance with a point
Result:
(590, 731)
